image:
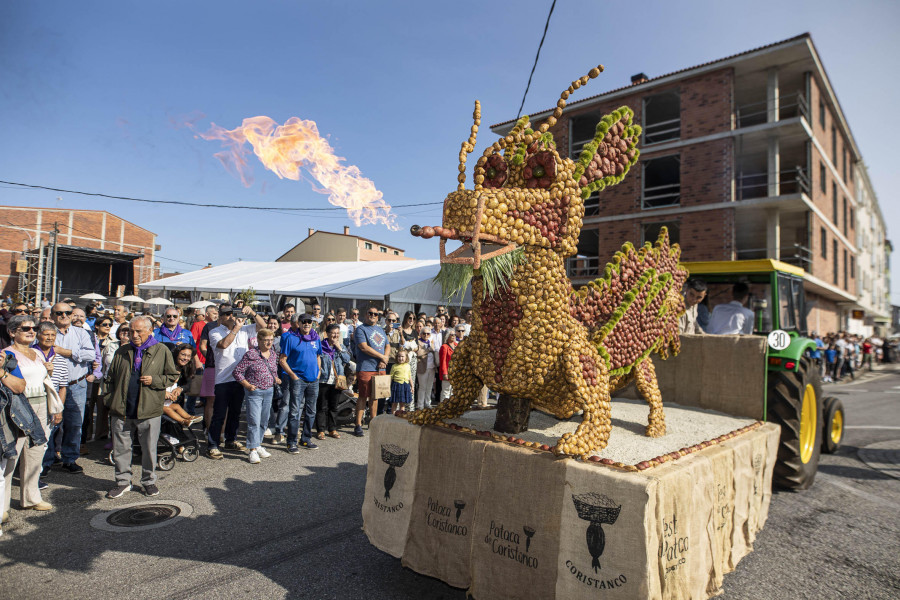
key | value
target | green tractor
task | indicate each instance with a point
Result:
(792, 392)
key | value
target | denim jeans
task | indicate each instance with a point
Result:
(304, 396)
(278, 420)
(73, 417)
(259, 404)
(190, 404)
(53, 440)
(229, 399)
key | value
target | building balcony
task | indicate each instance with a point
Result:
(757, 185)
(583, 267)
(758, 113)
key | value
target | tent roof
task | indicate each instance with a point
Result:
(363, 280)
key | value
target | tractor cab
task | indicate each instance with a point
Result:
(776, 291)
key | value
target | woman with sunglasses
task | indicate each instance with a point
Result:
(34, 368)
(102, 327)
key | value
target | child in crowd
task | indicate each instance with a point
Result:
(831, 353)
(174, 411)
(401, 389)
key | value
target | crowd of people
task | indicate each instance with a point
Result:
(71, 375)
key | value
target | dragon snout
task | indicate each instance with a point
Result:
(428, 232)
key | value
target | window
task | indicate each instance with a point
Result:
(662, 117)
(650, 231)
(834, 260)
(844, 161)
(661, 182)
(834, 152)
(824, 242)
(834, 204)
(368, 246)
(583, 128)
(852, 218)
(383, 249)
(396, 253)
(845, 271)
(823, 178)
(822, 113)
(852, 267)
(845, 216)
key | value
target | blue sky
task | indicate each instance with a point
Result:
(89, 92)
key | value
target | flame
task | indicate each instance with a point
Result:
(286, 149)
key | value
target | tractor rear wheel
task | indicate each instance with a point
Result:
(795, 403)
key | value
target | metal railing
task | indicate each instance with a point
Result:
(757, 113)
(797, 255)
(661, 195)
(583, 266)
(662, 131)
(756, 185)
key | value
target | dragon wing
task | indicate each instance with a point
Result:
(633, 309)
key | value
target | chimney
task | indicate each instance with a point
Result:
(311, 231)
(639, 78)
(346, 230)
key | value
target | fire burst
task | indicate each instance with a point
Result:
(286, 149)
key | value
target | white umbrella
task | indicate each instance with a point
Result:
(131, 299)
(160, 301)
(201, 304)
(92, 296)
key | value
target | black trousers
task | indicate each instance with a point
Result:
(326, 408)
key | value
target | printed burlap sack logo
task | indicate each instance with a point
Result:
(506, 543)
(393, 456)
(598, 510)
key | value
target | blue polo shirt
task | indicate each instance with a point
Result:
(182, 337)
(302, 357)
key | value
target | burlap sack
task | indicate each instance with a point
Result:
(516, 536)
(683, 528)
(772, 434)
(390, 482)
(722, 461)
(441, 531)
(743, 479)
(762, 488)
(603, 545)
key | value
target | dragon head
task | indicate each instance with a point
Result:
(525, 193)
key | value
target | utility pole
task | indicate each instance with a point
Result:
(55, 245)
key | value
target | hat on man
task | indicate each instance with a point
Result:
(304, 318)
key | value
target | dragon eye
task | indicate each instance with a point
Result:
(495, 172)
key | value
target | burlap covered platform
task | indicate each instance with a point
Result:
(506, 521)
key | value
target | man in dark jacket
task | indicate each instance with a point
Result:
(137, 380)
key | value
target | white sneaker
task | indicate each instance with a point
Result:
(267, 433)
(254, 457)
(263, 453)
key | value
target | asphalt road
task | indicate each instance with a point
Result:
(291, 527)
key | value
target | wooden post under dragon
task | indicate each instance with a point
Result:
(512, 414)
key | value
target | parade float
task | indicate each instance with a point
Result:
(584, 496)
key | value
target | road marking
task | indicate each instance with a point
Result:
(852, 490)
(892, 391)
(892, 427)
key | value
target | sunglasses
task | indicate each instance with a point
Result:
(19, 311)
(225, 313)
(105, 324)
(60, 313)
(305, 322)
(372, 314)
(171, 316)
(27, 328)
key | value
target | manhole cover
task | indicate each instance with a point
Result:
(883, 456)
(142, 516)
(139, 516)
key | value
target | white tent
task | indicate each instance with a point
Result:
(400, 283)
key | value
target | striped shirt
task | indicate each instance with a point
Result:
(60, 377)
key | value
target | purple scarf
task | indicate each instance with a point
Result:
(47, 357)
(172, 335)
(139, 351)
(312, 336)
(328, 349)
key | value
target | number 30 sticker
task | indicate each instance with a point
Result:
(779, 339)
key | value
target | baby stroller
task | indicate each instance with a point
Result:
(175, 441)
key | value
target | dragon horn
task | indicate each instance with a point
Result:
(551, 120)
(468, 146)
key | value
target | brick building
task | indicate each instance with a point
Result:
(327, 246)
(97, 252)
(744, 157)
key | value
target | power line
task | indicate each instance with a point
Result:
(534, 66)
(199, 204)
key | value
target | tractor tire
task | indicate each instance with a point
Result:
(833, 425)
(795, 403)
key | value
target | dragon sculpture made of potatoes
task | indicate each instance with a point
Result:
(532, 336)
